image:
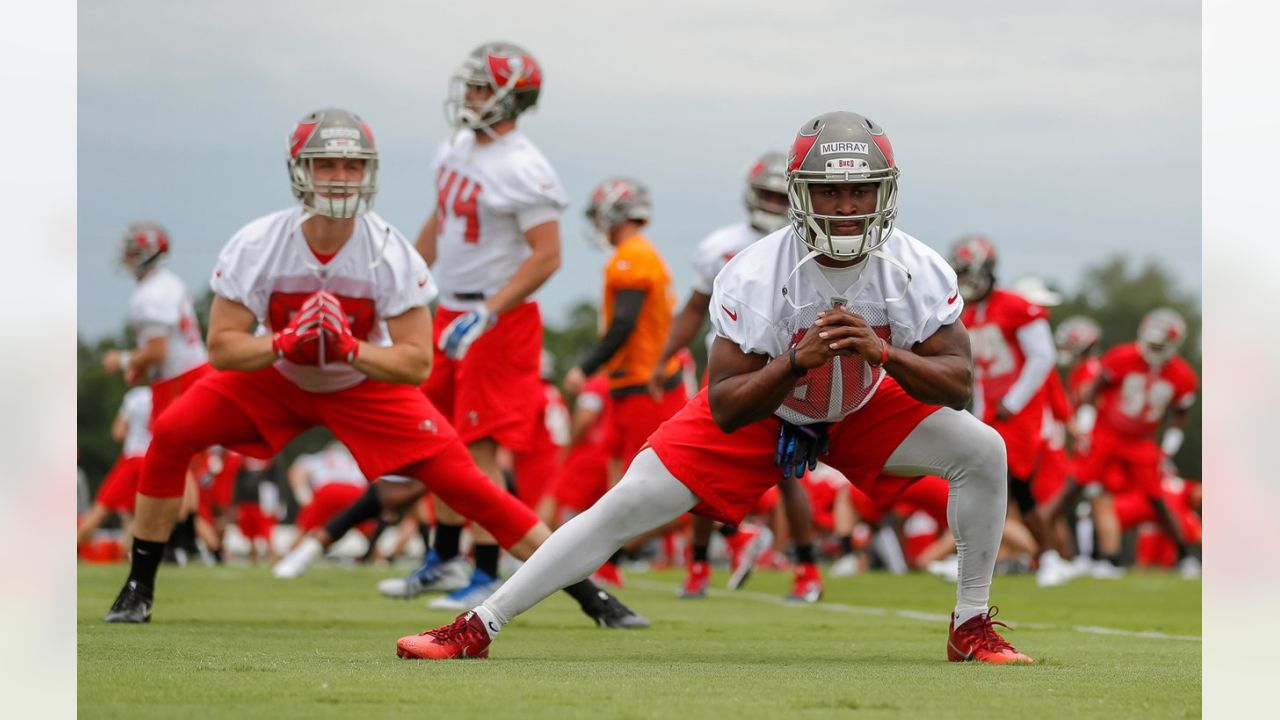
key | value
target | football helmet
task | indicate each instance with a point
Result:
(143, 246)
(1075, 337)
(613, 202)
(973, 257)
(842, 147)
(1160, 334)
(504, 68)
(767, 175)
(332, 133)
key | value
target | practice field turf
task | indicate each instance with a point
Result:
(232, 642)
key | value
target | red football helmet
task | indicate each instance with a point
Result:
(973, 257)
(143, 246)
(1160, 334)
(507, 70)
(1075, 337)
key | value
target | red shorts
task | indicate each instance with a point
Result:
(1050, 477)
(928, 495)
(634, 418)
(120, 487)
(386, 426)
(1134, 508)
(822, 500)
(164, 392)
(768, 501)
(1023, 440)
(1122, 462)
(495, 391)
(729, 472)
(583, 478)
(254, 523)
(535, 470)
(328, 501)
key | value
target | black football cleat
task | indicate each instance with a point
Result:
(609, 612)
(132, 605)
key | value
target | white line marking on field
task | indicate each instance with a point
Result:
(907, 614)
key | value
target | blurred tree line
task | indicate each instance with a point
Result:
(1113, 293)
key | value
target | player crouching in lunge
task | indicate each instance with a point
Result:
(858, 358)
(342, 297)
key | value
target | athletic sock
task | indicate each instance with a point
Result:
(804, 554)
(425, 531)
(846, 545)
(146, 556)
(492, 623)
(728, 531)
(966, 614)
(366, 507)
(487, 559)
(699, 553)
(1113, 559)
(183, 535)
(447, 540)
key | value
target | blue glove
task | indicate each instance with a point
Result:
(799, 446)
(464, 330)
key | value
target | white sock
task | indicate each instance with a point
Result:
(964, 615)
(492, 623)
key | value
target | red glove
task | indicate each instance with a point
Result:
(339, 345)
(299, 341)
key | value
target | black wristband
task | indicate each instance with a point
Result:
(795, 367)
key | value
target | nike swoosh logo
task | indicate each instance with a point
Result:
(953, 297)
(732, 315)
(967, 655)
(422, 282)
(493, 627)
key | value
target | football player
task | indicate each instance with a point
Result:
(340, 299)
(636, 316)
(492, 241)
(838, 338)
(1013, 354)
(324, 484)
(766, 203)
(131, 428)
(1142, 385)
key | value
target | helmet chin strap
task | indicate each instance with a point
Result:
(874, 253)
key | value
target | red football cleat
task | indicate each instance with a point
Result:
(696, 581)
(977, 639)
(608, 574)
(745, 548)
(808, 585)
(466, 638)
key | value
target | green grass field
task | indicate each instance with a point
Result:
(231, 642)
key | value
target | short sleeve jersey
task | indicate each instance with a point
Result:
(636, 265)
(161, 307)
(993, 326)
(752, 306)
(1134, 398)
(269, 268)
(136, 411)
(487, 196)
(332, 467)
(714, 252)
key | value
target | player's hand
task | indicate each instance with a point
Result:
(799, 447)
(464, 330)
(134, 376)
(111, 361)
(848, 333)
(574, 380)
(657, 382)
(299, 341)
(1002, 412)
(339, 345)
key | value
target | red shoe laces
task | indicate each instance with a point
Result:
(460, 630)
(984, 635)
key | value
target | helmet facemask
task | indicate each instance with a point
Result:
(612, 203)
(1160, 335)
(510, 73)
(340, 200)
(815, 230)
(143, 247)
(766, 193)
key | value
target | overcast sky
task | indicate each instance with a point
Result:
(1066, 132)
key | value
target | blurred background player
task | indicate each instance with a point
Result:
(320, 318)
(635, 317)
(492, 241)
(1142, 386)
(131, 428)
(324, 483)
(1013, 354)
(257, 506)
(765, 198)
(535, 468)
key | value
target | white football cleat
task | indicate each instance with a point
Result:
(947, 568)
(1105, 570)
(1189, 567)
(1053, 570)
(846, 566)
(299, 559)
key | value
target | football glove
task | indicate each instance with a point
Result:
(299, 341)
(337, 344)
(799, 446)
(464, 330)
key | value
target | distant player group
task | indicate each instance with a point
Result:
(836, 338)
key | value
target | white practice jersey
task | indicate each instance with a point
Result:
(749, 306)
(714, 252)
(136, 411)
(269, 268)
(487, 196)
(161, 307)
(332, 466)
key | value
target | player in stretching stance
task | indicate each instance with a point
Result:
(342, 297)
(858, 358)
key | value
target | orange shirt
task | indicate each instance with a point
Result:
(636, 265)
